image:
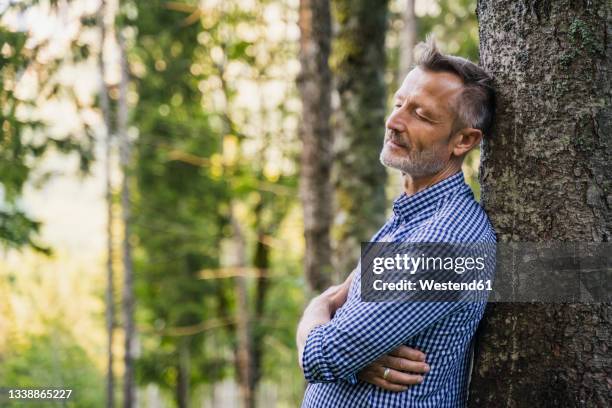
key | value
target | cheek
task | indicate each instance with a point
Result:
(423, 138)
(420, 136)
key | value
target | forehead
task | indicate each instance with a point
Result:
(437, 88)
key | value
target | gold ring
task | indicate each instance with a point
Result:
(386, 373)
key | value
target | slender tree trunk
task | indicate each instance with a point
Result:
(315, 88)
(407, 40)
(359, 64)
(546, 176)
(110, 298)
(129, 386)
(244, 364)
(184, 374)
(261, 262)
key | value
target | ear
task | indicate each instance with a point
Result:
(465, 140)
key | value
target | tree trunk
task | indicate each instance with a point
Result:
(184, 374)
(546, 176)
(261, 262)
(315, 184)
(110, 298)
(244, 365)
(129, 386)
(359, 64)
(407, 40)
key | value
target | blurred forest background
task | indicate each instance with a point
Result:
(156, 145)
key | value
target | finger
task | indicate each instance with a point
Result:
(386, 385)
(366, 375)
(402, 364)
(332, 289)
(400, 378)
(409, 353)
(349, 278)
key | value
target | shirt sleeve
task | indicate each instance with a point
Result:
(339, 349)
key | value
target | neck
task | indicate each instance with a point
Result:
(413, 185)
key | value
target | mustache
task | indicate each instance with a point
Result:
(396, 138)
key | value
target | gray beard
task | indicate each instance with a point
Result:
(419, 164)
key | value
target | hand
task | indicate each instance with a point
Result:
(336, 295)
(320, 311)
(405, 364)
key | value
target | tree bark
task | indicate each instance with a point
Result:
(315, 88)
(244, 364)
(261, 262)
(110, 298)
(546, 176)
(129, 385)
(407, 40)
(184, 374)
(358, 61)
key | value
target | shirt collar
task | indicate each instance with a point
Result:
(407, 206)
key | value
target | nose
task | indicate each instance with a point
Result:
(394, 122)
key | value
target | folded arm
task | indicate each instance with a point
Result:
(339, 348)
(320, 311)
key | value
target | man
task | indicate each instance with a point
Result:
(410, 354)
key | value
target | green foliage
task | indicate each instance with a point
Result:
(455, 27)
(178, 203)
(23, 137)
(16, 229)
(52, 360)
(189, 167)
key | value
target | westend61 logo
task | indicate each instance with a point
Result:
(554, 272)
(430, 284)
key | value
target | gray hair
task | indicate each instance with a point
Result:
(475, 106)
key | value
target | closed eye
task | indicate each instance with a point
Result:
(426, 119)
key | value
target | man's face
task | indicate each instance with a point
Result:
(419, 130)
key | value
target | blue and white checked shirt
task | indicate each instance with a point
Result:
(360, 332)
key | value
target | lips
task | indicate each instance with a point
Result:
(396, 143)
(394, 139)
